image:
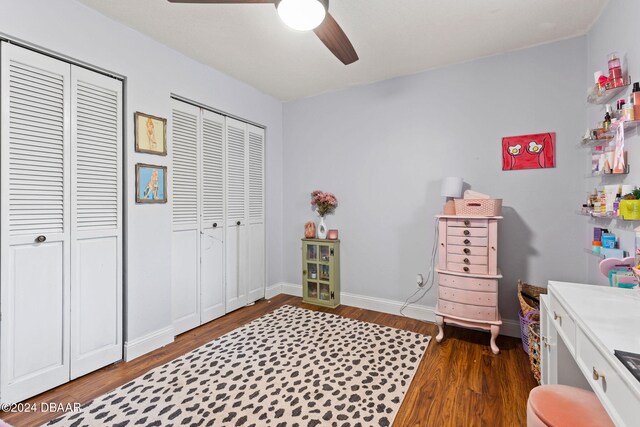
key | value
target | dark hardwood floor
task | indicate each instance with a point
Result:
(459, 382)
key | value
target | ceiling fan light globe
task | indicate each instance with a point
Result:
(302, 15)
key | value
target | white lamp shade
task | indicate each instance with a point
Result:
(452, 187)
(302, 15)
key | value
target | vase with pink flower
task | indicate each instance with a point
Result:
(324, 203)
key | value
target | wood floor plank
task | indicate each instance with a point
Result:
(458, 383)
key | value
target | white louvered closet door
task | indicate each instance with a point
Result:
(236, 256)
(185, 271)
(96, 221)
(212, 225)
(256, 221)
(34, 242)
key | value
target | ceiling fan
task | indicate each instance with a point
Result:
(305, 15)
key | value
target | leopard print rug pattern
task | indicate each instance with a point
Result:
(290, 368)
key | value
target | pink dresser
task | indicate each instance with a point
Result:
(468, 274)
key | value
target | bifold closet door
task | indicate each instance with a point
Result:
(256, 282)
(212, 224)
(96, 221)
(35, 223)
(185, 271)
(236, 247)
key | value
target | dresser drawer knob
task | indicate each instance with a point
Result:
(597, 375)
(467, 222)
(467, 232)
(467, 251)
(467, 241)
(466, 269)
(466, 261)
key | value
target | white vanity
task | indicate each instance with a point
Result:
(580, 327)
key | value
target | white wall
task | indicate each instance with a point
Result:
(615, 30)
(153, 71)
(383, 149)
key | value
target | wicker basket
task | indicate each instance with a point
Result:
(478, 207)
(525, 321)
(534, 349)
(529, 297)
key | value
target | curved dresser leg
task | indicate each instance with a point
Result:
(440, 323)
(495, 330)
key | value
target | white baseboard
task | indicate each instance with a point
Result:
(273, 290)
(509, 327)
(145, 344)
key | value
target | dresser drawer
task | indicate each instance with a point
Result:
(467, 222)
(467, 311)
(468, 259)
(467, 241)
(467, 250)
(463, 231)
(563, 323)
(486, 299)
(611, 388)
(469, 269)
(468, 283)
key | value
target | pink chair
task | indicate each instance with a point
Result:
(564, 406)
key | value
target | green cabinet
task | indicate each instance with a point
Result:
(321, 272)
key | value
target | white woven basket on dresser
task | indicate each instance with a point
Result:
(478, 207)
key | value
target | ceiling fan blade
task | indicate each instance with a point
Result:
(221, 1)
(330, 33)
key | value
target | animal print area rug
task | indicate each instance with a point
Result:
(290, 368)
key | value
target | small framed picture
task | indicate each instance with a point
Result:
(151, 183)
(151, 134)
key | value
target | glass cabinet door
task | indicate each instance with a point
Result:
(325, 272)
(325, 253)
(312, 271)
(312, 252)
(312, 290)
(325, 292)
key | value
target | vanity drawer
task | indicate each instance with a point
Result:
(486, 299)
(467, 250)
(463, 231)
(467, 223)
(468, 283)
(468, 259)
(469, 269)
(467, 241)
(563, 323)
(467, 311)
(611, 388)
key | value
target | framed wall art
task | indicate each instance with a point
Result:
(151, 183)
(536, 151)
(150, 134)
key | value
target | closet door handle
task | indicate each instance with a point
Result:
(215, 224)
(238, 223)
(41, 239)
(467, 232)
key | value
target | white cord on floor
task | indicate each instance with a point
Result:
(430, 277)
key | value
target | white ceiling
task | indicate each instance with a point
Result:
(392, 37)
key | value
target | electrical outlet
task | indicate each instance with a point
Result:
(420, 280)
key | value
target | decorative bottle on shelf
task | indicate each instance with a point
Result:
(322, 229)
(606, 124)
(635, 95)
(615, 70)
